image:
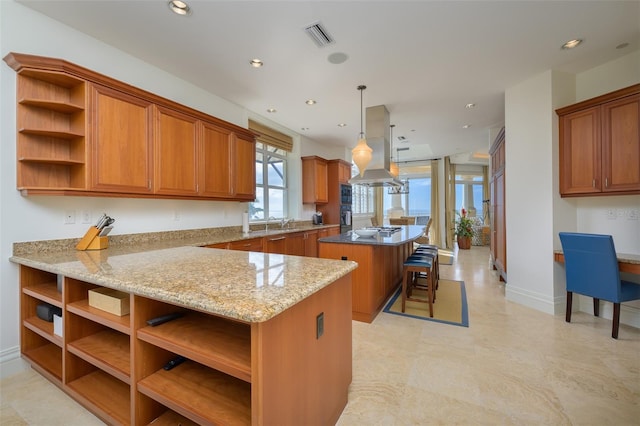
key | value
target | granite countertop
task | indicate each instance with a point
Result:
(406, 234)
(246, 286)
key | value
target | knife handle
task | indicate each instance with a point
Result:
(88, 237)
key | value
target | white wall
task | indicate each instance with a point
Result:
(535, 211)
(41, 217)
(528, 192)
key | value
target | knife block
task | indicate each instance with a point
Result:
(91, 240)
(98, 243)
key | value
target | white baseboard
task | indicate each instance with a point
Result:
(629, 315)
(11, 363)
(537, 301)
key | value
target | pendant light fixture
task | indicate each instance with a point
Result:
(362, 153)
(393, 167)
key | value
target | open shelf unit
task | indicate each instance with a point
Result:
(51, 130)
(235, 373)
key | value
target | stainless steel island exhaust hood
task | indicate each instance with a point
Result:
(378, 132)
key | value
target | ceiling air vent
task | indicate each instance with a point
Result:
(318, 34)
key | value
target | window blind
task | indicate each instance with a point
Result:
(271, 137)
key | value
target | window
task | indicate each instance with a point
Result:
(363, 197)
(417, 202)
(271, 183)
(469, 190)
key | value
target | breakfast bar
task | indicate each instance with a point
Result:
(247, 325)
(380, 258)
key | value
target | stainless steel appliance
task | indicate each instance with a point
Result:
(317, 218)
(345, 208)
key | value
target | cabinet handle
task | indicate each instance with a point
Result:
(277, 239)
(593, 184)
(606, 182)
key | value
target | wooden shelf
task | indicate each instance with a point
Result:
(59, 134)
(118, 323)
(107, 397)
(203, 395)
(62, 107)
(170, 418)
(57, 78)
(218, 343)
(108, 350)
(61, 161)
(46, 359)
(47, 292)
(43, 329)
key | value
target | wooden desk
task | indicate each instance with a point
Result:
(626, 262)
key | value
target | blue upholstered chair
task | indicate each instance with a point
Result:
(592, 270)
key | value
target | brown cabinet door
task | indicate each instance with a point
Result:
(252, 244)
(311, 244)
(314, 180)
(621, 144)
(216, 160)
(580, 152)
(120, 140)
(276, 244)
(175, 148)
(244, 173)
(295, 244)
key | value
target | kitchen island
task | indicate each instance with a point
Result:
(380, 259)
(266, 337)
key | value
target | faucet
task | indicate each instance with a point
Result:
(285, 222)
(266, 223)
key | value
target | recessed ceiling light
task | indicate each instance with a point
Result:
(271, 110)
(572, 43)
(256, 63)
(310, 102)
(342, 125)
(337, 58)
(304, 129)
(466, 126)
(470, 105)
(179, 7)
(622, 45)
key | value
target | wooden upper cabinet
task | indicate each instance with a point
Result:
(121, 129)
(244, 172)
(227, 167)
(216, 155)
(175, 149)
(314, 180)
(600, 145)
(621, 144)
(83, 133)
(580, 152)
(344, 171)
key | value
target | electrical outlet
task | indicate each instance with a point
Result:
(86, 216)
(611, 214)
(176, 215)
(633, 214)
(70, 217)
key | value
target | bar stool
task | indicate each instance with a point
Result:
(414, 265)
(430, 250)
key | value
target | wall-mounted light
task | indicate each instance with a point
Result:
(362, 152)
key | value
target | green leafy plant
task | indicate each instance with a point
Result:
(464, 225)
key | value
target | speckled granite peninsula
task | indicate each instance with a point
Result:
(250, 323)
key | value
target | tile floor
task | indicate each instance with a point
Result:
(513, 365)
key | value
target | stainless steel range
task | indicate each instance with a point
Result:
(386, 231)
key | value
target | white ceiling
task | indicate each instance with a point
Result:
(424, 60)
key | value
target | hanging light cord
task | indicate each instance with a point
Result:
(361, 89)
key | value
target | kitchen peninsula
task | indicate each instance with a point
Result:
(266, 337)
(380, 259)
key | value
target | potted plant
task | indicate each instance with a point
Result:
(464, 229)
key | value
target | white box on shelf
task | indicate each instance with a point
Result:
(57, 325)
